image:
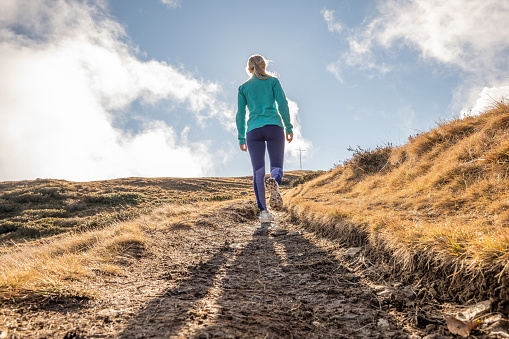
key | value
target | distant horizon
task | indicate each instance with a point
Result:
(169, 177)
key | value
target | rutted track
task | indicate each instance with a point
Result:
(224, 275)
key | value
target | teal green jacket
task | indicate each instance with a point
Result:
(260, 97)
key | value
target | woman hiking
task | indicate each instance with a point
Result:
(264, 129)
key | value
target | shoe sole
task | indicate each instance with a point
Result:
(267, 221)
(275, 200)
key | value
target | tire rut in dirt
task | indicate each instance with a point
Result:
(273, 287)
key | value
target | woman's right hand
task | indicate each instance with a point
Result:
(243, 147)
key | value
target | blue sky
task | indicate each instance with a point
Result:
(103, 89)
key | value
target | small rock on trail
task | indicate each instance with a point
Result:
(279, 232)
(353, 251)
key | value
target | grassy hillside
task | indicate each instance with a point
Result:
(45, 207)
(437, 206)
(52, 232)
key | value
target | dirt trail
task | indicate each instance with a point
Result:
(262, 286)
(232, 278)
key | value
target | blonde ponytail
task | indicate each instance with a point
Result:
(256, 65)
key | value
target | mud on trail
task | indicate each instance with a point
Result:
(221, 274)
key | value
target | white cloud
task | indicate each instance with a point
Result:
(335, 69)
(359, 55)
(172, 3)
(465, 33)
(292, 149)
(470, 36)
(332, 24)
(487, 99)
(66, 69)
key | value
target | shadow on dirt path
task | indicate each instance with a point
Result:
(166, 314)
(266, 286)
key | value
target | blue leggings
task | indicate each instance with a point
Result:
(274, 137)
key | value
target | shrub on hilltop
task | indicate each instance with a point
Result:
(368, 161)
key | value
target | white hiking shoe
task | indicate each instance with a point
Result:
(266, 217)
(275, 200)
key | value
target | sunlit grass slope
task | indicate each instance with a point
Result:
(55, 233)
(45, 207)
(442, 198)
(55, 266)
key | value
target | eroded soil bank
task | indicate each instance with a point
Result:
(233, 278)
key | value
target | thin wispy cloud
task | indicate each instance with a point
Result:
(335, 68)
(292, 149)
(68, 69)
(332, 24)
(172, 3)
(469, 36)
(359, 55)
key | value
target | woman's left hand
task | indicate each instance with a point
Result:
(289, 137)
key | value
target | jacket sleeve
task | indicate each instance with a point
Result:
(241, 117)
(282, 105)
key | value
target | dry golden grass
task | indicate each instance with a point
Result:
(444, 196)
(115, 216)
(46, 207)
(49, 266)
